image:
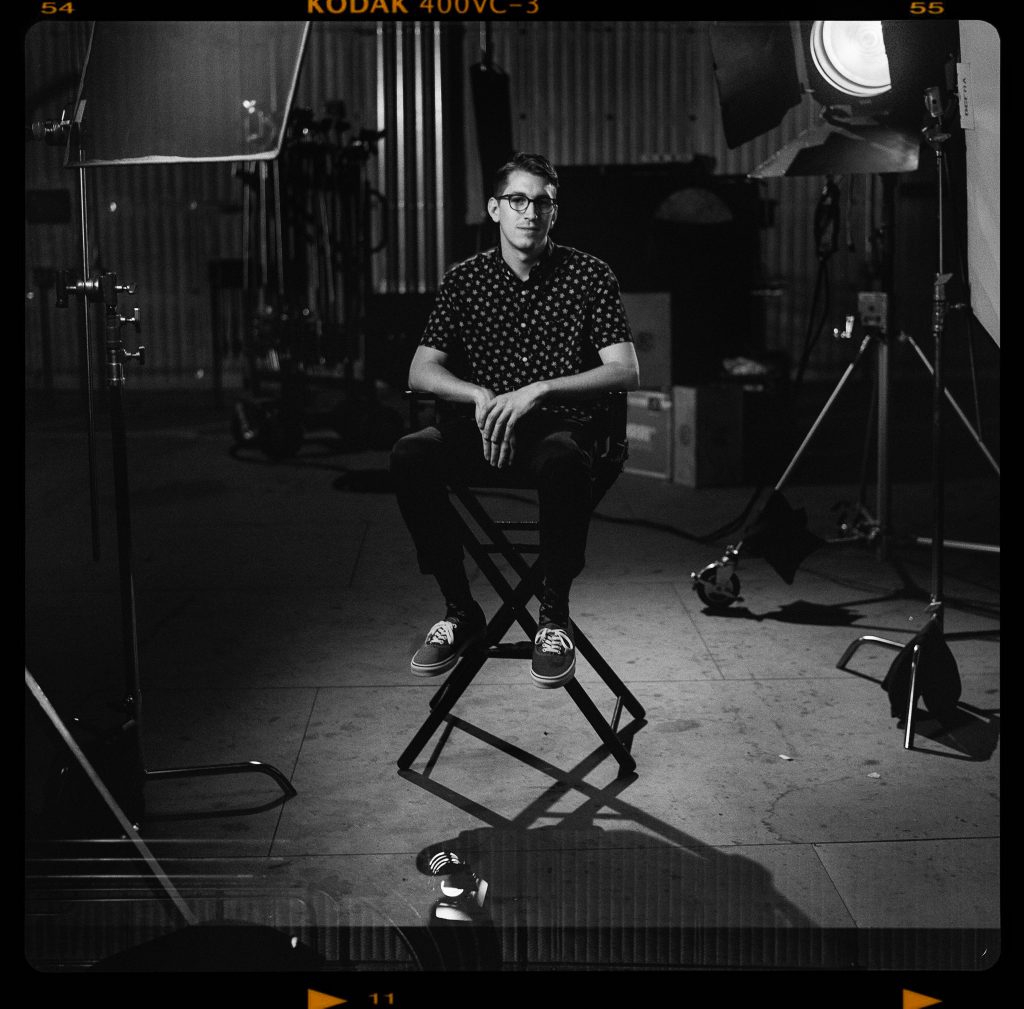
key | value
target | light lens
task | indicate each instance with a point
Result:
(851, 56)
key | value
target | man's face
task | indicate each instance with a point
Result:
(526, 232)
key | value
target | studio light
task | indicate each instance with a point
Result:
(850, 55)
(869, 77)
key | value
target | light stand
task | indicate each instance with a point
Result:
(308, 328)
(104, 289)
(923, 673)
(717, 584)
(56, 133)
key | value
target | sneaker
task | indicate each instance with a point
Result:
(453, 871)
(554, 656)
(463, 889)
(445, 644)
(461, 910)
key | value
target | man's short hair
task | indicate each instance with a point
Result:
(535, 164)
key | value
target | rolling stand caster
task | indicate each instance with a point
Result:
(717, 583)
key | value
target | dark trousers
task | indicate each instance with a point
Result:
(553, 455)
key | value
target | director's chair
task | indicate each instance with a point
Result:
(484, 537)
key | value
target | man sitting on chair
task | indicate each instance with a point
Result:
(532, 338)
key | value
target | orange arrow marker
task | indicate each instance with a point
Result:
(318, 1000)
(912, 1000)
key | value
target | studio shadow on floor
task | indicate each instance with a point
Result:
(574, 894)
(970, 733)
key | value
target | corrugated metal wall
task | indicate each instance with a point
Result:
(586, 93)
(411, 176)
(389, 77)
(593, 93)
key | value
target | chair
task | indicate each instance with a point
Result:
(484, 537)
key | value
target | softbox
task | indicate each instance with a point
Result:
(157, 92)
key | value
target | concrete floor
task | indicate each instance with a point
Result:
(775, 818)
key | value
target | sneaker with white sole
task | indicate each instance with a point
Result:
(554, 656)
(446, 642)
(464, 891)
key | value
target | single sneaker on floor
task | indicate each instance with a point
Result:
(464, 891)
(446, 642)
(554, 656)
(459, 909)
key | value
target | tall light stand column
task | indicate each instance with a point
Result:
(104, 288)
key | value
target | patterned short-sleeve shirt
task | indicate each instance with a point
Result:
(504, 333)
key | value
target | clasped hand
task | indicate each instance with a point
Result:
(497, 417)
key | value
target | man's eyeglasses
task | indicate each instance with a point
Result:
(518, 202)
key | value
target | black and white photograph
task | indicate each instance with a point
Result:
(512, 505)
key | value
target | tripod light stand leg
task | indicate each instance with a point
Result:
(865, 639)
(908, 736)
(984, 548)
(883, 492)
(956, 408)
(824, 411)
(248, 765)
